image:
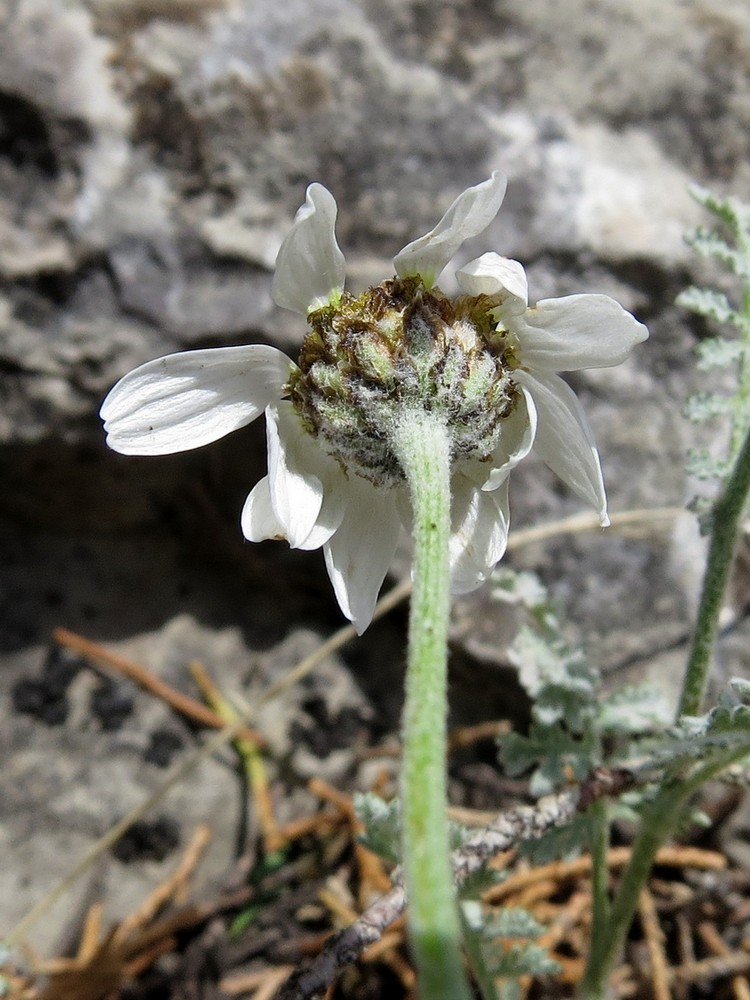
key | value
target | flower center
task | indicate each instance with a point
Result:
(400, 345)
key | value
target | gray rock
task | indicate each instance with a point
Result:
(151, 158)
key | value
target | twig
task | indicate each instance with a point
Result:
(252, 759)
(148, 956)
(715, 943)
(511, 827)
(328, 793)
(318, 823)
(534, 894)
(387, 950)
(736, 963)
(580, 523)
(655, 943)
(183, 703)
(372, 875)
(685, 950)
(559, 926)
(690, 857)
(466, 736)
(618, 857)
(264, 983)
(174, 886)
(91, 934)
(345, 947)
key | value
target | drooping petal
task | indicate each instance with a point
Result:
(332, 510)
(260, 523)
(492, 274)
(468, 216)
(186, 400)
(479, 533)
(577, 331)
(359, 554)
(307, 486)
(258, 520)
(516, 441)
(310, 267)
(295, 487)
(564, 440)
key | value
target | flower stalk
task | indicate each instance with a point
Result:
(600, 872)
(725, 524)
(732, 500)
(421, 442)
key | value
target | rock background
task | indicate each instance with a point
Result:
(152, 155)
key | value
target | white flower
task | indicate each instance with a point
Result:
(313, 499)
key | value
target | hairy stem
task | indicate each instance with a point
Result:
(725, 524)
(600, 872)
(725, 519)
(421, 443)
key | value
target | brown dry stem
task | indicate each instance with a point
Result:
(183, 703)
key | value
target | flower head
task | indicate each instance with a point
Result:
(483, 359)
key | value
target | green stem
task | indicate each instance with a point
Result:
(724, 530)
(740, 414)
(421, 443)
(600, 873)
(660, 820)
(657, 825)
(606, 947)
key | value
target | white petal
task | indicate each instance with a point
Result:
(359, 554)
(564, 440)
(518, 433)
(296, 489)
(468, 216)
(492, 274)
(332, 510)
(307, 486)
(310, 267)
(578, 331)
(258, 520)
(479, 533)
(187, 400)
